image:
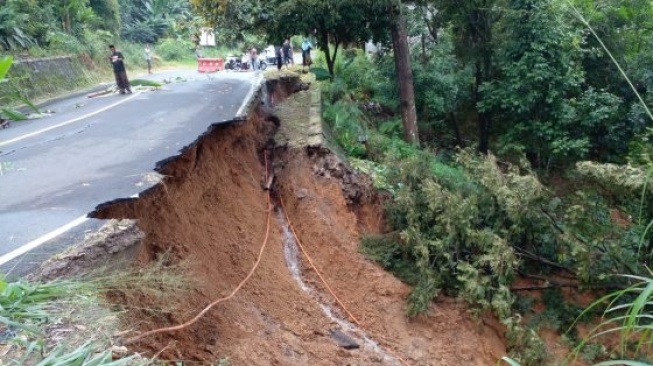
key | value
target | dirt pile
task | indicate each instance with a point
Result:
(211, 210)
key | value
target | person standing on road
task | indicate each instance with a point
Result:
(148, 58)
(287, 53)
(253, 57)
(278, 53)
(306, 53)
(119, 71)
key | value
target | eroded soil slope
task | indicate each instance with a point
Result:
(211, 211)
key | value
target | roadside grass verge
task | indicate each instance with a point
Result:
(70, 321)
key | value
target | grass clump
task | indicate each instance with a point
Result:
(69, 322)
(37, 318)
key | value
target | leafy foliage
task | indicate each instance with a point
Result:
(9, 93)
(348, 125)
(550, 124)
(458, 246)
(471, 226)
(145, 21)
(23, 305)
(13, 35)
(109, 12)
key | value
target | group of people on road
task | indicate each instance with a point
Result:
(283, 55)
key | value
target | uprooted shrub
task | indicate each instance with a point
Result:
(469, 227)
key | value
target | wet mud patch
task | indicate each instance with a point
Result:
(210, 211)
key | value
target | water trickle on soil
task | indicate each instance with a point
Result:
(292, 256)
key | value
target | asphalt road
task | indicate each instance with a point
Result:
(55, 170)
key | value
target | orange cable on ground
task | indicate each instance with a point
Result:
(351, 316)
(233, 293)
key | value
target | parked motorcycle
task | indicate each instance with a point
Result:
(233, 63)
(236, 63)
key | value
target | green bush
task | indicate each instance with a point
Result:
(346, 121)
(175, 50)
(65, 43)
(356, 72)
(389, 253)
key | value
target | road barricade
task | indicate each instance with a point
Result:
(210, 64)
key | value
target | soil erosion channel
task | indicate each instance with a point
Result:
(211, 211)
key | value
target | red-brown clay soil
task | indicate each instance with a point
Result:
(211, 211)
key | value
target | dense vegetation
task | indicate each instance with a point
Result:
(26, 25)
(558, 198)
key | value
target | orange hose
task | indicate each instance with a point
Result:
(233, 293)
(344, 308)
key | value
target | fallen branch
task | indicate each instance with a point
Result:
(535, 257)
(545, 287)
(553, 283)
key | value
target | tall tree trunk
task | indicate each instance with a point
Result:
(424, 58)
(404, 77)
(456, 129)
(66, 22)
(483, 117)
(330, 59)
(483, 27)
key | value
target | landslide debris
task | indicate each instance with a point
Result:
(210, 211)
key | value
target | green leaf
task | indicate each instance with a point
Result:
(13, 114)
(17, 325)
(5, 65)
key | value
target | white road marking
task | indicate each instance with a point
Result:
(249, 95)
(19, 138)
(45, 238)
(80, 220)
(40, 241)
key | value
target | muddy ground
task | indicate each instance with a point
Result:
(211, 211)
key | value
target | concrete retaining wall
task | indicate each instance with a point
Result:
(47, 75)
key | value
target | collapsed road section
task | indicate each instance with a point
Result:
(212, 212)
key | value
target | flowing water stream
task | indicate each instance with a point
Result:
(292, 256)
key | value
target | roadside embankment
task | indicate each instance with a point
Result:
(226, 207)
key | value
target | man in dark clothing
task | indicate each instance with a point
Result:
(278, 54)
(119, 70)
(287, 52)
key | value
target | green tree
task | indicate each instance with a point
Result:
(146, 21)
(472, 23)
(72, 13)
(624, 26)
(25, 23)
(13, 35)
(539, 92)
(109, 12)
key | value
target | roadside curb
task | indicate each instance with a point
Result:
(75, 94)
(252, 95)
